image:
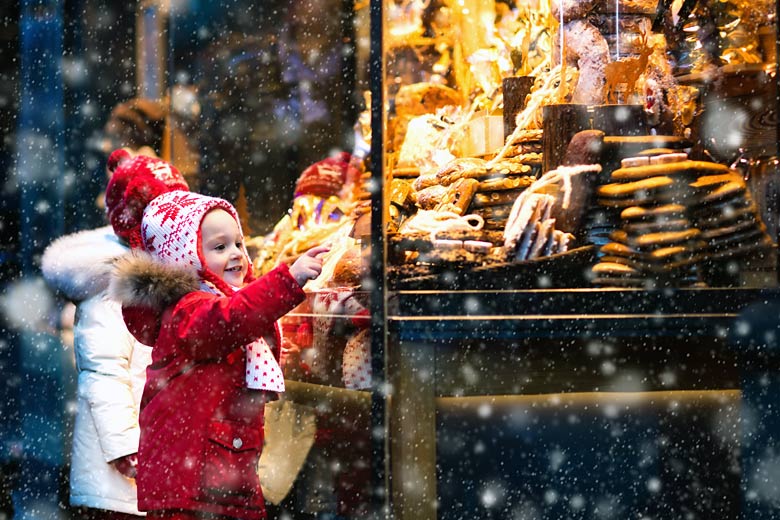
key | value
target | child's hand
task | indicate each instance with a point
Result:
(126, 465)
(308, 265)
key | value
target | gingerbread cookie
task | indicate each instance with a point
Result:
(495, 198)
(674, 169)
(458, 196)
(661, 239)
(628, 189)
(641, 213)
(509, 182)
(659, 225)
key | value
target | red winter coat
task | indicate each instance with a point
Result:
(201, 427)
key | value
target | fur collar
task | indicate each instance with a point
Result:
(140, 280)
(79, 265)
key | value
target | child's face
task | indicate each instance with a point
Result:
(222, 247)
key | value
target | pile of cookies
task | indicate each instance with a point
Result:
(728, 217)
(675, 216)
(473, 186)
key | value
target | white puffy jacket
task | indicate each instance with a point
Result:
(111, 369)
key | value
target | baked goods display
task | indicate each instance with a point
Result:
(679, 219)
(657, 219)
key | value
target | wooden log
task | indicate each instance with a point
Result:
(560, 123)
(515, 90)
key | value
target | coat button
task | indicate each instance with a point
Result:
(237, 443)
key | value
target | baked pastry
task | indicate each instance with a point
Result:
(351, 268)
(458, 196)
(469, 167)
(676, 168)
(424, 98)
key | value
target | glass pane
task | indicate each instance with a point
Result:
(581, 229)
(272, 100)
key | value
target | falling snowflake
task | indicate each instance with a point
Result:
(27, 304)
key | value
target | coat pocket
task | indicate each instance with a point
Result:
(230, 462)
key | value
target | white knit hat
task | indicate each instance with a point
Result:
(170, 230)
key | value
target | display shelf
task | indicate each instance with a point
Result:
(444, 316)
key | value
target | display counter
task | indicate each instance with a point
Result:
(490, 386)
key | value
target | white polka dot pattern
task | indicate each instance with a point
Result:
(262, 370)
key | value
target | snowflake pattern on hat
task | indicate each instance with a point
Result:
(171, 226)
(262, 370)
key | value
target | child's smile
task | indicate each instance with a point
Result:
(222, 246)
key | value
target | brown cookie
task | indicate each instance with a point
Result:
(458, 196)
(651, 241)
(492, 212)
(430, 197)
(657, 226)
(746, 237)
(456, 169)
(620, 190)
(674, 169)
(653, 213)
(508, 182)
(511, 166)
(730, 216)
(625, 260)
(719, 232)
(618, 249)
(524, 148)
(673, 252)
(619, 236)
(495, 198)
(741, 249)
(714, 181)
(613, 269)
(406, 172)
(722, 209)
(494, 224)
(729, 190)
(661, 197)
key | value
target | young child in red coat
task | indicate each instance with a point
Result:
(215, 355)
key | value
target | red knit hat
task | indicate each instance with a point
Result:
(135, 181)
(171, 232)
(326, 177)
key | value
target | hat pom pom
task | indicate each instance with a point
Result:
(126, 217)
(116, 157)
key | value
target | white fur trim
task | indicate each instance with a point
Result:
(79, 265)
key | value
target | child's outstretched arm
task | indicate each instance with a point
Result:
(309, 265)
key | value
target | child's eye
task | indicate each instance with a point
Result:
(238, 245)
(219, 247)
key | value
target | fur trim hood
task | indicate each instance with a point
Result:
(79, 265)
(145, 287)
(140, 280)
